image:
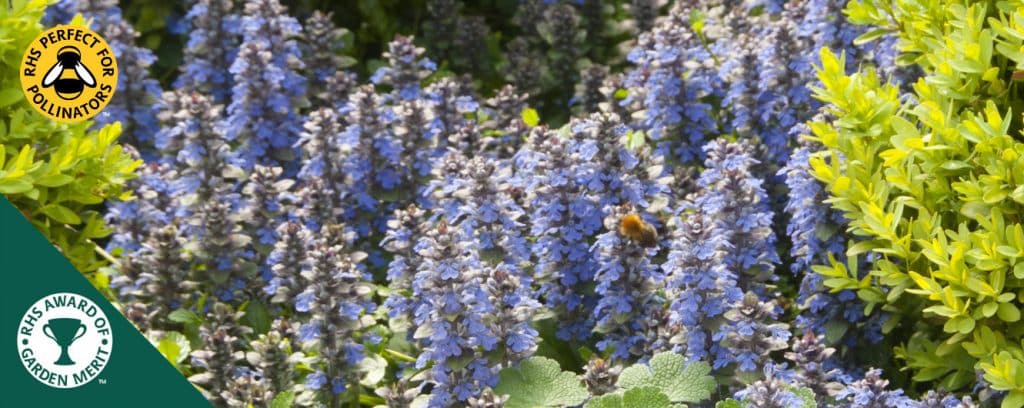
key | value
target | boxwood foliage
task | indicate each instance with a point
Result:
(930, 180)
(56, 174)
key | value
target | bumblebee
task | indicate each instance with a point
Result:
(69, 76)
(634, 227)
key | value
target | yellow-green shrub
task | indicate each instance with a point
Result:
(56, 174)
(934, 185)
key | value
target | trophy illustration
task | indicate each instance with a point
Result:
(64, 331)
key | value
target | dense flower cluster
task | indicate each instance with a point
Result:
(400, 239)
(211, 48)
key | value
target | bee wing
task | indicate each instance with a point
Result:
(52, 75)
(84, 74)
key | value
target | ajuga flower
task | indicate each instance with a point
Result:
(627, 282)
(151, 207)
(562, 219)
(774, 390)
(814, 366)
(813, 226)
(404, 229)
(614, 173)
(560, 29)
(322, 181)
(588, 96)
(751, 332)
(135, 102)
(211, 48)
(450, 101)
(505, 119)
(220, 357)
(871, 392)
(470, 40)
(370, 158)
(701, 284)
(644, 12)
(155, 274)
(476, 197)
(285, 261)
(406, 68)
(336, 297)
(734, 198)
(222, 246)
(458, 277)
(523, 65)
(413, 130)
(263, 116)
(197, 147)
(514, 306)
(265, 201)
(450, 305)
(322, 48)
(468, 293)
(274, 357)
(334, 90)
(813, 230)
(673, 74)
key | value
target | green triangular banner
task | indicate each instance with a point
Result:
(61, 331)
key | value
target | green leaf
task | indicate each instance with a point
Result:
(670, 373)
(530, 117)
(729, 403)
(175, 347)
(54, 180)
(540, 382)
(373, 368)
(643, 397)
(14, 186)
(184, 316)
(61, 214)
(635, 140)
(870, 36)
(697, 20)
(1008, 312)
(9, 96)
(283, 400)
(258, 317)
(806, 396)
(835, 330)
(1014, 400)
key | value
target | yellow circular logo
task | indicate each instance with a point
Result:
(69, 73)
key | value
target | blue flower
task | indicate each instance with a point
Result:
(304, 301)
(870, 392)
(309, 332)
(316, 380)
(338, 386)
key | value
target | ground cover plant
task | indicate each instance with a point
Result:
(548, 203)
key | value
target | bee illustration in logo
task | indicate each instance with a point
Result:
(68, 76)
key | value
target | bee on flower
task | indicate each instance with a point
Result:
(638, 230)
